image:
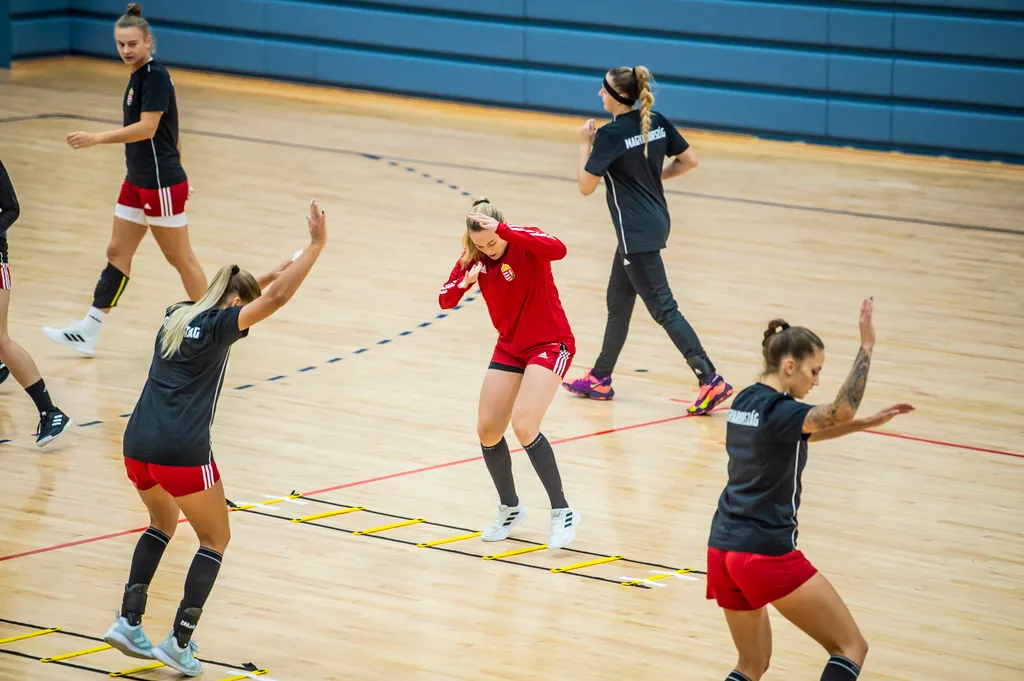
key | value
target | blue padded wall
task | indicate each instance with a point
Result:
(937, 76)
(5, 34)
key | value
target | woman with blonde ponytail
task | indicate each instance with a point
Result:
(512, 267)
(629, 153)
(167, 450)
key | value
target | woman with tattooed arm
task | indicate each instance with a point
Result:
(752, 554)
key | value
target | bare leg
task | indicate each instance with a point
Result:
(820, 613)
(177, 248)
(752, 633)
(13, 355)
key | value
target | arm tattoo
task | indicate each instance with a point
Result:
(845, 406)
(852, 391)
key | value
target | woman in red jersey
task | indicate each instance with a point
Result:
(535, 347)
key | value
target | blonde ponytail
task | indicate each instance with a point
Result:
(643, 83)
(230, 281)
(470, 253)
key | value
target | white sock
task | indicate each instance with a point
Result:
(92, 321)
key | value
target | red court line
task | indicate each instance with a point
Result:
(77, 543)
(940, 443)
(356, 484)
(480, 458)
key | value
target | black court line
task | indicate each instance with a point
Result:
(542, 176)
(576, 573)
(246, 667)
(467, 529)
(406, 542)
(72, 665)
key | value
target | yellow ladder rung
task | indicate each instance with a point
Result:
(136, 670)
(328, 514)
(577, 566)
(22, 637)
(449, 540)
(242, 677)
(77, 653)
(374, 530)
(638, 582)
(517, 552)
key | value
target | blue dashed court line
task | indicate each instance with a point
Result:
(360, 351)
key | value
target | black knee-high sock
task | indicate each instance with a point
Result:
(39, 394)
(198, 585)
(148, 552)
(543, 459)
(499, 465)
(840, 669)
(736, 676)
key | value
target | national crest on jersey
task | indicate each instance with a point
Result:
(507, 272)
(131, 94)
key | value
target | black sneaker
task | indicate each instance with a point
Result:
(4, 372)
(51, 424)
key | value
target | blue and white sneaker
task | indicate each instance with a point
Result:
(180, 659)
(132, 641)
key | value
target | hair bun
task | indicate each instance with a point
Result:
(781, 326)
(482, 199)
(234, 270)
(134, 9)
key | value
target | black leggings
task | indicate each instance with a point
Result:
(644, 274)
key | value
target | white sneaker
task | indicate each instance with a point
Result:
(74, 337)
(508, 517)
(563, 527)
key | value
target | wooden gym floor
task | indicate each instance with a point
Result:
(919, 527)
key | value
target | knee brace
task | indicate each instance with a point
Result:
(109, 288)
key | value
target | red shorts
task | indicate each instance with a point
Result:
(161, 207)
(749, 581)
(553, 356)
(178, 481)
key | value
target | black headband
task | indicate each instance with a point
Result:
(616, 96)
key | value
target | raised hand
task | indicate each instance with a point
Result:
(867, 324)
(587, 131)
(317, 222)
(471, 276)
(485, 221)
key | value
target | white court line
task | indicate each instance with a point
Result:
(676, 574)
(286, 499)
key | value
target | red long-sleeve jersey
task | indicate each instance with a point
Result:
(519, 290)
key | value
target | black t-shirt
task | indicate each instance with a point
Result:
(9, 209)
(636, 198)
(153, 163)
(171, 422)
(767, 454)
